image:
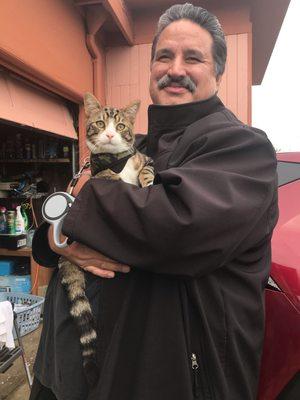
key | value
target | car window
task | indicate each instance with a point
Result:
(287, 172)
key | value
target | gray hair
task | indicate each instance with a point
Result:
(204, 19)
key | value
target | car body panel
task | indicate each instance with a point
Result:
(281, 352)
(289, 157)
(286, 243)
(280, 361)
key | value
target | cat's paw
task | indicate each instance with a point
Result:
(146, 175)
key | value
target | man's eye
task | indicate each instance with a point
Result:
(100, 124)
(163, 58)
(193, 60)
(120, 127)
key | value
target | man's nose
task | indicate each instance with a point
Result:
(177, 68)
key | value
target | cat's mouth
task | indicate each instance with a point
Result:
(110, 147)
(108, 144)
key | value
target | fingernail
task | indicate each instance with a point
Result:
(110, 274)
(125, 269)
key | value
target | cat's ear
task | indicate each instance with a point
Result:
(131, 110)
(91, 104)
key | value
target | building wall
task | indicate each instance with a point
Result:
(235, 88)
(45, 41)
(128, 79)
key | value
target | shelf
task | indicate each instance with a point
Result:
(23, 252)
(37, 160)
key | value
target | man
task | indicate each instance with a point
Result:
(187, 321)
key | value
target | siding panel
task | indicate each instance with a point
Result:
(243, 81)
(232, 73)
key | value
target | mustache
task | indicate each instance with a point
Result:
(182, 81)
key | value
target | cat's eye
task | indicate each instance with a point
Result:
(120, 127)
(100, 124)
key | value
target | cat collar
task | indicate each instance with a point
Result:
(114, 162)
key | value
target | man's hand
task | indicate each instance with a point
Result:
(88, 259)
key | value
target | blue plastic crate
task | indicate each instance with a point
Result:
(27, 319)
(6, 267)
(16, 283)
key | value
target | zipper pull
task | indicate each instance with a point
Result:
(195, 364)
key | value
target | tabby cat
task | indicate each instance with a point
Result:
(110, 138)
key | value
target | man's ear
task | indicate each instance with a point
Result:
(131, 110)
(91, 104)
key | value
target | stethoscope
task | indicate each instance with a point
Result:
(54, 210)
(57, 205)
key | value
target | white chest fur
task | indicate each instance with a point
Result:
(129, 173)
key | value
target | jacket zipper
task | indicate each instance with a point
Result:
(200, 377)
(195, 367)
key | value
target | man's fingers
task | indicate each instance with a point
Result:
(107, 270)
(100, 272)
(124, 268)
(116, 267)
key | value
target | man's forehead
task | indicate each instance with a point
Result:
(185, 34)
(185, 49)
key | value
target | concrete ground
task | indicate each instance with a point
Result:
(13, 383)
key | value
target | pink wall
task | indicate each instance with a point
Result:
(46, 40)
(235, 18)
(127, 79)
(235, 88)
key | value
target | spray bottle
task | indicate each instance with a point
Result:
(20, 225)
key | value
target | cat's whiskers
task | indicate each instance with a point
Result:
(102, 145)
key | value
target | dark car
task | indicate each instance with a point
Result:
(280, 369)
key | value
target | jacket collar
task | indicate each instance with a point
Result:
(166, 118)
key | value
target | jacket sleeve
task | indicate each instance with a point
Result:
(197, 215)
(41, 251)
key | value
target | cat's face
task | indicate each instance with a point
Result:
(109, 130)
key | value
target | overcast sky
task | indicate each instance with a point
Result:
(275, 103)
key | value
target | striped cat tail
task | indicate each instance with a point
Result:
(73, 279)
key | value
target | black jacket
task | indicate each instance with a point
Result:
(198, 242)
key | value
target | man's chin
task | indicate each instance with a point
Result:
(173, 96)
(171, 100)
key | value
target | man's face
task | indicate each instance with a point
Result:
(183, 67)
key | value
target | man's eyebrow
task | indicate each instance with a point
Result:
(164, 51)
(193, 52)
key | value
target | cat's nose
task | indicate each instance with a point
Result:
(110, 135)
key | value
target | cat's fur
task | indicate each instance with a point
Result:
(110, 139)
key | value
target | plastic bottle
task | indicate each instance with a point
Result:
(3, 221)
(11, 222)
(66, 151)
(25, 218)
(20, 225)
